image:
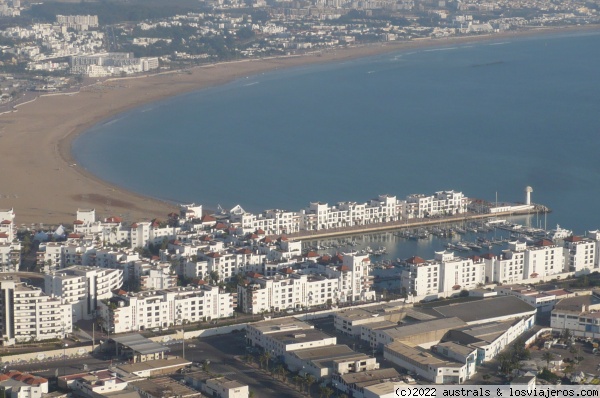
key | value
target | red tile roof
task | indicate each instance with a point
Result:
(244, 251)
(208, 218)
(213, 255)
(312, 254)
(78, 222)
(113, 219)
(343, 268)
(260, 232)
(573, 238)
(415, 260)
(3, 235)
(544, 242)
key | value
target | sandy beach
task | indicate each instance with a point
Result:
(40, 179)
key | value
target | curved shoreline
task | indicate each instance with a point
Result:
(44, 186)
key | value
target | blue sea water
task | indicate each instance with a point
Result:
(480, 118)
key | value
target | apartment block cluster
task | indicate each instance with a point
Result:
(319, 216)
(111, 64)
(126, 312)
(44, 44)
(444, 344)
(76, 37)
(446, 274)
(10, 8)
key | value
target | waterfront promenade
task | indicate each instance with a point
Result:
(412, 223)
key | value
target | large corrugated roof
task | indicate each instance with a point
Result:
(140, 344)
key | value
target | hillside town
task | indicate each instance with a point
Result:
(45, 51)
(302, 310)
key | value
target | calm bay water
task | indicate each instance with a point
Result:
(481, 118)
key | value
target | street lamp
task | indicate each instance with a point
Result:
(65, 345)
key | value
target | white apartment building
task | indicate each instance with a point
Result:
(580, 255)
(78, 22)
(543, 259)
(144, 233)
(273, 221)
(10, 256)
(319, 216)
(521, 262)
(82, 287)
(154, 276)
(27, 314)
(349, 282)
(7, 225)
(458, 273)
(508, 267)
(441, 203)
(164, 308)
(420, 278)
(49, 256)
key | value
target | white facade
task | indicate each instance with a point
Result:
(164, 308)
(580, 255)
(10, 256)
(349, 282)
(26, 314)
(7, 224)
(82, 287)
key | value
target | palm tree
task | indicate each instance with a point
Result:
(566, 335)
(310, 380)
(321, 391)
(298, 380)
(280, 370)
(548, 357)
(266, 356)
(328, 392)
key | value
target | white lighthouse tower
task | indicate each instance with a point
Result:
(528, 191)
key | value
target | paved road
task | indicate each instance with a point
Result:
(219, 350)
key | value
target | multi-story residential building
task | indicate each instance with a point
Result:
(147, 276)
(163, 308)
(507, 267)
(78, 22)
(49, 256)
(10, 256)
(580, 255)
(459, 273)
(421, 278)
(144, 233)
(348, 282)
(82, 287)
(543, 259)
(441, 203)
(522, 262)
(7, 225)
(27, 314)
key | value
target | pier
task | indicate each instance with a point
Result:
(412, 223)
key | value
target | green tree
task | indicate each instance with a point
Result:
(548, 357)
(567, 335)
(310, 380)
(214, 277)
